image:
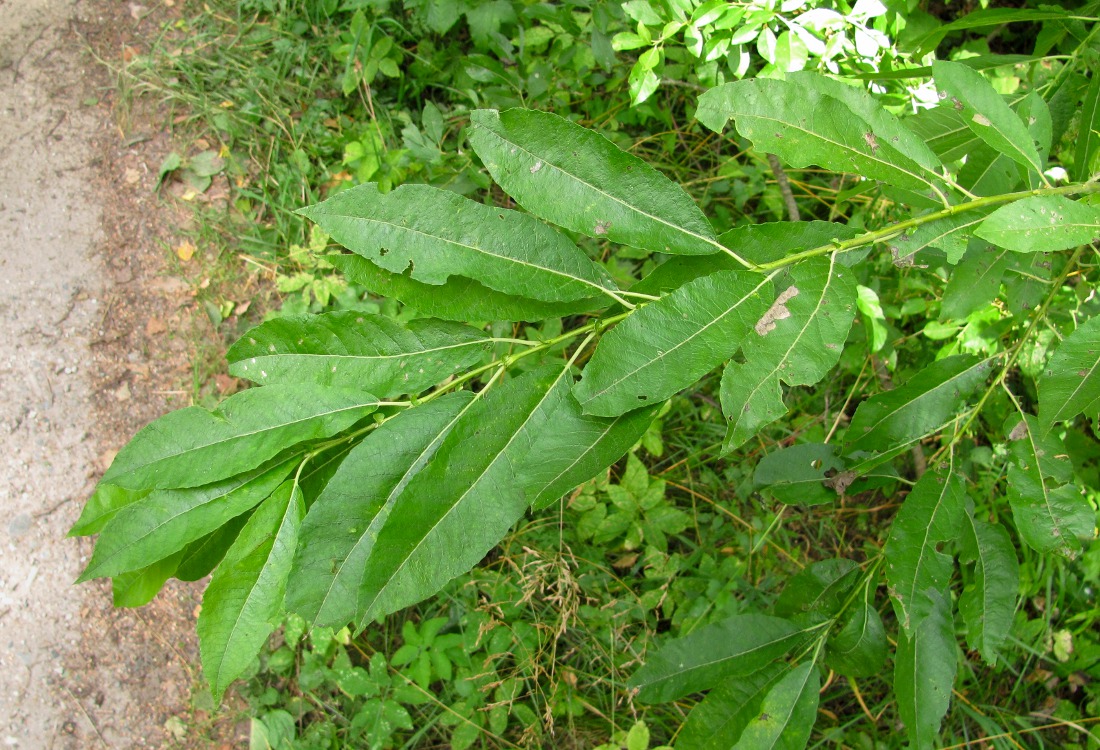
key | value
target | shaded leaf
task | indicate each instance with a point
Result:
(166, 521)
(716, 723)
(244, 601)
(772, 241)
(739, 645)
(1088, 132)
(818, 590)
(338, 534)
(930, 516)
(858, 647)
(1044, 223)
(974, 283)
(432, 234)
(353, 349)
(797, 341)
(945, 131)
(787, 714)
(797, 475)
(458, 298)
(984, 18)
(926, 402)
(986, 113)
(924, 672)
(136, 588)
(1070, 384)
(201, 556)
(667, 345)
(805, 126)
(192, 447)
(577, 179)
(987, 603)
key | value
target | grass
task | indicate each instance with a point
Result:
(545, 632)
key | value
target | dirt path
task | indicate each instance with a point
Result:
(81, 368)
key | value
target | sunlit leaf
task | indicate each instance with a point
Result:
(1041, 224)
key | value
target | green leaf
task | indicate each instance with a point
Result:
(166, 521)
(102, 506)
(1041, 224)
(974, 283)
(465, 500)
(137, 588)
(988, 603)
(1051, 513)
(667, 345)
(818, 590)
(927, 401)
(797, 341)
(201, 556)
(577, 179)
(574, 447)
(352, 349)
(787, 714)
(944, 130)
(930, 516)
(192, 447)
(431, 234)
(244, 601)
(339, 532)
(1088, 132)
(1035, 113)
(986, 113)
(739, 645)
(798, 475)
(458, 298)
(772, 241)
(805, 126)
(858, 647)
(988, 172)
(1070, 384)
(950, 234)
(717, 722)
(924, 672)
(981, 19)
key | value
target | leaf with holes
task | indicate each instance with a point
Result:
(1041, 224)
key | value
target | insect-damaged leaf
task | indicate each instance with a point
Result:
(339, 533)
(805, 126)
(986, 113)
(1050, 511)
(577, 179)
(799, 475)
(432, 234)
(930, 515)
(1041, 224)
(457, 298)
(924, 671)
(667, 345)
(926, 402)
(740, 645)
(1070, 384)
(192, 447)
(353, 349)
(244, 601)
(797, 340)
(989, 600)
(787, 714)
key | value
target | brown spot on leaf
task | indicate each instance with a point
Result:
(778, 311)
(602, 227)
(1019, 432)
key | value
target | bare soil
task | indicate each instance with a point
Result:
(95, 343)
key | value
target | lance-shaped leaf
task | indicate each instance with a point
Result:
(192, 447)
(1051, 513)
(974, 283)
(1035, 113)
(740, 645)
(1042, 223)
(986, 113)
(577, 179)
(667, 345)
(858, 647)
(573, 447)
(787, 714)
(797, 341)
(799, 475)
(950, 234)
(945, 131)
(924, 672)
(989, 601)
(817, 592)
(930, 515)
(1088, 132)
(457, 298)
(201, 556)
(927, 401)
(717, 722)
(1070, 384)
(772, 241)
(805, 126)
(432, 234)
(989, 172)
(136, 588)
(339, 533)
(102, 506)
(984, 18)
(356, 350)
(465, 500)
(244, 601)
(166, 521)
